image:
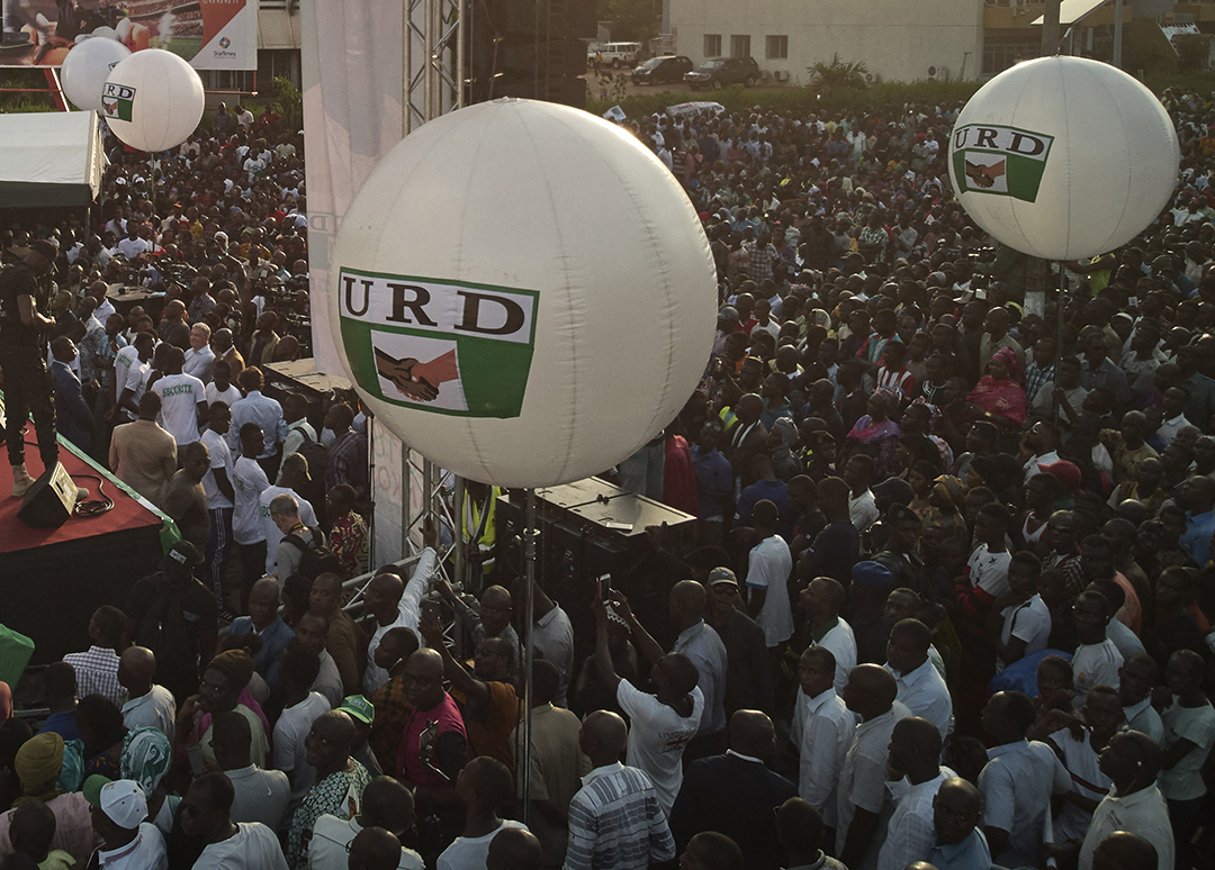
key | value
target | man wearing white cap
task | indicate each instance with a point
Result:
(119, 811)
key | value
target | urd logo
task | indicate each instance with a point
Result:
(1005, 161)
(443, 346)
(117, 100)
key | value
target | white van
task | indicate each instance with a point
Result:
(615, 54)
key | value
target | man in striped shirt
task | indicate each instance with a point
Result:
(615, 820)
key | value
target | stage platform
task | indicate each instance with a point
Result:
(51, 580)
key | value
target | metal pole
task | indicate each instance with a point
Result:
(1050, 28)
(1059, 332)
(459, 568)
(461, 11)
(1118, 33)
(529, 551)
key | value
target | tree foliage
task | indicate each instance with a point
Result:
(838, 75)
(632, 20)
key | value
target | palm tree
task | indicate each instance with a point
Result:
(838, 75)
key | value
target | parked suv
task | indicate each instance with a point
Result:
(722, 71)
(615, 54)
(660, 70)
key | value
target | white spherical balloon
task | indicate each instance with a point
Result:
(1063, 157)
(153, 100)
(523, 293)
(105, 32)
(86, 69)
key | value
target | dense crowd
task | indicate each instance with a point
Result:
(949, 605)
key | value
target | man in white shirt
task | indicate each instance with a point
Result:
(132, 246)
(822, 733)
(183, 399)
(220, 389)
(870, 694)
(921, 689)
(484, 785)
(769, 565)
(260, 409)
(862, 506)
(662, 723)
(131, 371)
(1136, 678)
(299, 430)
(292, 478)
(148, 703)
(206, 813)
(248, 483)
(386, 804)
(915, 752)
(821, 601)
(1131, 760)
(260, 795)
(1017, 781)
(217, 484)
(395, 604)
(127, 841)
(1097, 659)
(199, 357)
(301, 707)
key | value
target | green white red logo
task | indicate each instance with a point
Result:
(1003, 161)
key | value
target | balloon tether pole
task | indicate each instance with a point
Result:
(530, 533)
(1059, 317)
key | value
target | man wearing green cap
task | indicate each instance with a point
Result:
(362, 714)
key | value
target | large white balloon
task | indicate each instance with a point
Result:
(1063, 157)
(153, 100)
(86, 68)
(523, 293)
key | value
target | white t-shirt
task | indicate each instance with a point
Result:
(252, 847)
(248, 481)
(989, 571)
(329, 847)
(221, 457)
(1094, 664)
(768, 567)
(290, 732)
(657, 738)
(269, 530)
(1029, 622)
(179, 399)
(199, 362)
(228, 396)
(157, 708)
(469, 852)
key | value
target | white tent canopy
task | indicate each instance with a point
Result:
(50, 159)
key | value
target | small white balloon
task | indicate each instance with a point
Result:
(86, 68)
(153, 100)
(1063, 157)
(105, 32)
(523, 293)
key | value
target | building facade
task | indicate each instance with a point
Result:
(900, 40)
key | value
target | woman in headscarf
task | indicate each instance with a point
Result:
(38, 763)
(999, 394)
(947, 518)
(876, 435)
(146, 758)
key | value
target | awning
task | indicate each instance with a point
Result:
(1071, 11)
(50, 159)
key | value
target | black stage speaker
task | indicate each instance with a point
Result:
(50, 501)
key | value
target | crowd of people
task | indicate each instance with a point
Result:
(949, 604)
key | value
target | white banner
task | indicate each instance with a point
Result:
(352, 68)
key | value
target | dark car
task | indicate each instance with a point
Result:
(661, 70)
(722, 71)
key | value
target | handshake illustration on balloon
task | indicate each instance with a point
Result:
(417, 380)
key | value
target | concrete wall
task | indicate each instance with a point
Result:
(896, 39)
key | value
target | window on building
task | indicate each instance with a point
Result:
(740, 46)
(712, 45)
(272, 63)
(226, 79)
(776, 47)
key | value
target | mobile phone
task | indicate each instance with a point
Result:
(605, 586)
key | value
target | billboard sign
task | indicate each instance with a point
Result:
(208, 34)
